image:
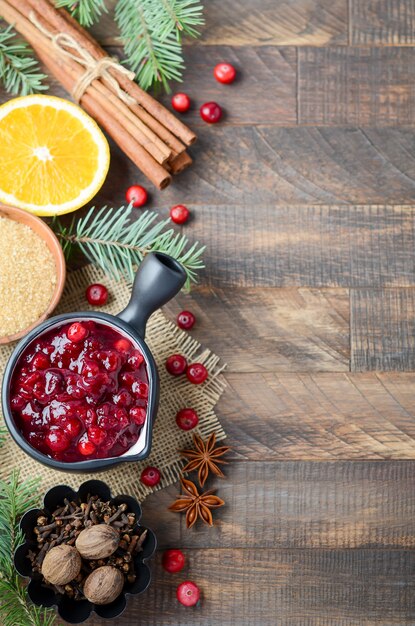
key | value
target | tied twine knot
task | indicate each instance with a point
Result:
(94, 68)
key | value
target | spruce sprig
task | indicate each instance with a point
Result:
(16, 498)
(87, 12)
(151, 31)
(19, 71)
(116, 244)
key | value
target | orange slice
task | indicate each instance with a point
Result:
(53, 156)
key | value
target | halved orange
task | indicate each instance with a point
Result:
(53, 156)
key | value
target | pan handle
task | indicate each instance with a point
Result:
(158, 279)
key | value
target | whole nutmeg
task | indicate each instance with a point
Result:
(61, 565)
(103, 585)
(97, 542)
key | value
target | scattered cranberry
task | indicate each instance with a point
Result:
(56, 439)
(176, 365)
(86, 447)
(186, 419)
(150, 476)
(138, 415)
(186, 320)
(210, 112)
(179, 214)
(196, 373)
(173, 561)
(77, 332)
(224, 73)
(180, 102)
(97, 294)
(136, 195)
(188, 593)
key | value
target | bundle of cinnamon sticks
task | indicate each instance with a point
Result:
(150, 135)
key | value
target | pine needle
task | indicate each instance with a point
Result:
(87, 12)
(116, 244)
(151, 31)
(15, 608)
(19, 71)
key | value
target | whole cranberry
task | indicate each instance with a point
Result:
(188, 593)
(186, 419)
(186, 320)
(173, 561)
(150, 476)
(135, 359)
(179, 214)
(140, 390)
(77, 332)
(71, 426)
(122, 345)
(97, 294)
(138, 415)
(180, 102)
(86, 447)
(17, 402)
(176, 364)
(196, 373)
(136, 195)
(122, 398)
(56, 439)
(210, 112)
(224, 73)
(40, 361)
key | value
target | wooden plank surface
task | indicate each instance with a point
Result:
(385, 22)
(359, 86)
(284, 588)
(318, 246)
(272, 329)
(383, 329)
(320, 416)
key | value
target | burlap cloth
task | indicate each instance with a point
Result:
(164, 338)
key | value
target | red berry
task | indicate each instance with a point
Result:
(224, 73)
(135, 359)
(186, 320)
(76, 332)
(96, 435)
(176, 365)
(17, 403)
(136, 195)
(56, 439)
(40, 361)
(86, 447)
(188, 593)
(173, 561)
(210, 112)
(179, 214)
(122, 345)
(97, 294)
(138, 415)
(196, 373)
(71, 426)
(180, 102)
(150, 476)
(186, 419)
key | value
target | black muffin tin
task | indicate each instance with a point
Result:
(77, 611)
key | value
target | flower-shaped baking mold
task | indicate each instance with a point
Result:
(77, 611)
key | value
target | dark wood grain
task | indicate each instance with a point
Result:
(385, 22)
(327, 246)
(320, 416)
(383, 329)
(272, 329)
(359, 86)
(283, 588)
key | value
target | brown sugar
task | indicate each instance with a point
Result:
(27, 276)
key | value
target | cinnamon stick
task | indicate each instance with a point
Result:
(180, 163)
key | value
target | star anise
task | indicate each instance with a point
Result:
(204, 458)
(197, 505)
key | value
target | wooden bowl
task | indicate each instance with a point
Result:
(49, 237)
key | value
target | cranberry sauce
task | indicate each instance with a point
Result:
(80, 392)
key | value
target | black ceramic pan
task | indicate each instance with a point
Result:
(158, 279)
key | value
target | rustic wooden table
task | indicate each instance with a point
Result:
(305, 198)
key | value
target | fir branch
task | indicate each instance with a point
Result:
(116, 244)
(19, 71)
(151, 32)
(15, 609)
(87, 12)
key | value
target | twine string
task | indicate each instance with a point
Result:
(94, 68)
